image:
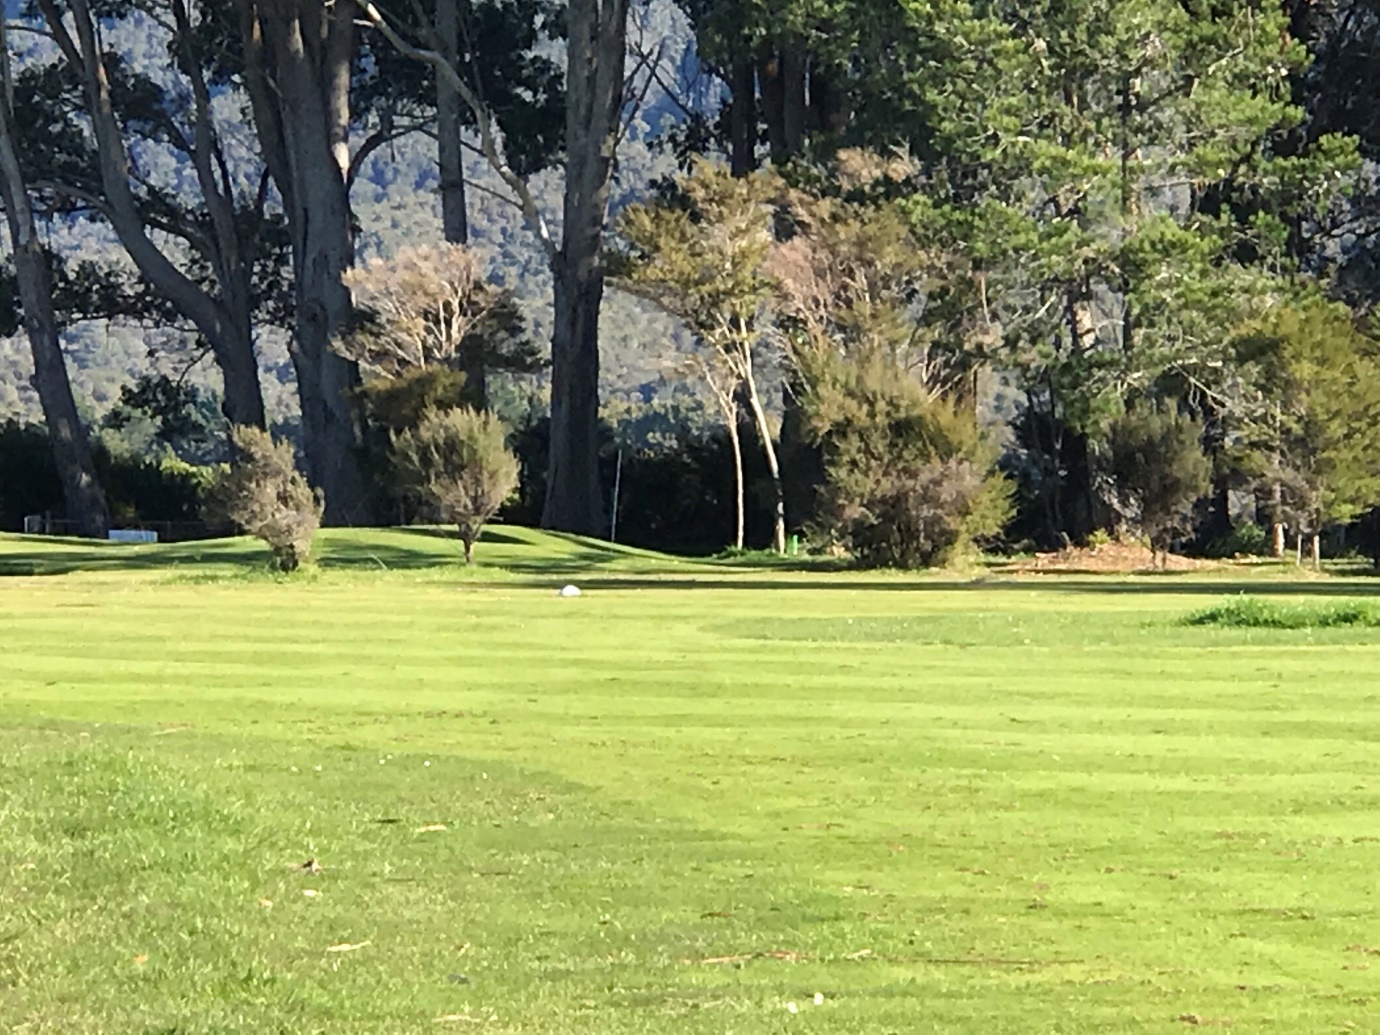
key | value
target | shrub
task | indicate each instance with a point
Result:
(1158, 463)
(162, 488)
(459, 463)
(915, 515)
(265, 495)
(910, 479)
(29, 482)
(400, 403)
(1248, 540)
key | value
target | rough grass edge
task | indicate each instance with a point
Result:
(1254, 613)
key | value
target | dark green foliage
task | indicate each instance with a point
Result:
(85, 290)
(1250, 540)
(502, 54)
(157, 489)
(910, 479)
(1310, 425)
(400, 403)
(677, 496)
(138, 489)
(174, 407)
(676, 490)
(265, 494)
(1160, 470)
(458, 463)
(29, 482)
(1254, 613)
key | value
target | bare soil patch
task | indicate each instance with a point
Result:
(1111, 558)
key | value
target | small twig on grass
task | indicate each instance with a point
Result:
(346, 946)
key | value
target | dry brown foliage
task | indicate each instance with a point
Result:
(265, 495)
(416, 309)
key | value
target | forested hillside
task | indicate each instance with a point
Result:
(396, 200)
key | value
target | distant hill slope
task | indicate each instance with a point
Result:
(396, 201)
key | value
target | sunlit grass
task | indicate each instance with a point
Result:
(679, 803)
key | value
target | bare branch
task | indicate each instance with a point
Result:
(386, 134)
(483, 118)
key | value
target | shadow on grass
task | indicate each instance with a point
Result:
(536, 558)
(1070, 584)
(546, 553)
(490, 536)
(46, 556)
(515, 551)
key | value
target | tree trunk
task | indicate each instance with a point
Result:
(450, 108)
(828, 103)
(773, 103)
(594, 104)
(1276, 518)
(322, 251)
(1076, 488)
(735, 439)
(298, 56)
(742, 115)
(242, 401)
(793, 113)
(469, 550)
(573, 499)
(224, 319)
(450, 157)
(82, 495)
(1317, 552)
(773, 467)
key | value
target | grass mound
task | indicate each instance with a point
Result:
(1255, 613)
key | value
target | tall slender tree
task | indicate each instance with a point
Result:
(703, 260)
(298, 59)
(595, 98)
(85, 502)
(496, 47)
(219, 230)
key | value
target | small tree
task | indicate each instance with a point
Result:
(854, 276)
(458, 462)
(700, 258)
(918, 514)
(1313, 429)
(429, 307)
(909, 478)
(1158, 463)
(265, 495)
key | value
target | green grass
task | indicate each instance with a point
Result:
(695, 794)
(1254, 613)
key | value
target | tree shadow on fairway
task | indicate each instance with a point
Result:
(512, 550)
(45, 555)
(524, 556)
(939, 585)
(490, 536)
(530, 840)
